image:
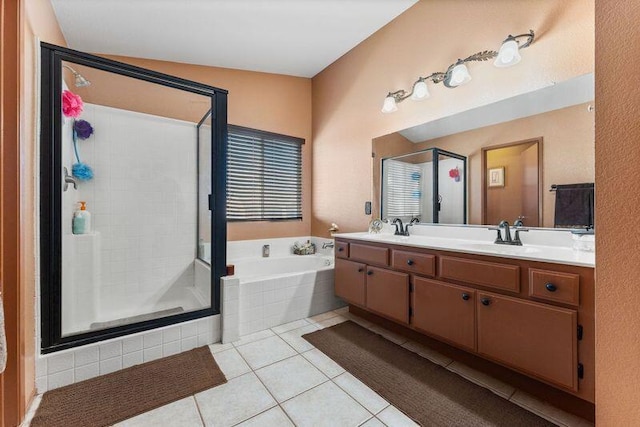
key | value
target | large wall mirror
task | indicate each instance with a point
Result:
(518, 152)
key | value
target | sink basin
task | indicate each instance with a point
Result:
(501, 249)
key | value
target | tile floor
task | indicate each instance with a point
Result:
(276, 378)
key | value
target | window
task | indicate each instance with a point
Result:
(403, 182)
(264, 176)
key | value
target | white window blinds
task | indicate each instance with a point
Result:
(402, 182)
(264, 176)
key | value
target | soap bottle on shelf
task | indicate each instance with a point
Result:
(81, 220)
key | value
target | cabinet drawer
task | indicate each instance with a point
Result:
(490, 274)
(349, 281)
(414, 262)
(554, 286)
(446, 311)
(388, 293)
(536, 338)
(369, 254)
(342, 250)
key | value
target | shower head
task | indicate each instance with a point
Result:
(80, 80)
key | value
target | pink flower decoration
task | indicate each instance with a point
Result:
(71, 104)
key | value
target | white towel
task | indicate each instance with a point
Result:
(3, 339)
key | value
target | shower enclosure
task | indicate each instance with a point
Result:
(430, 185)
(128, 143)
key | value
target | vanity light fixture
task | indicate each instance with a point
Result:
(458, 74)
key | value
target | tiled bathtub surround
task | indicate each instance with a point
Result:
(74, 365)
(253, 302)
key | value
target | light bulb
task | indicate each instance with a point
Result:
(508, 55)
(389, 105)
(459, 75)
(420, 91)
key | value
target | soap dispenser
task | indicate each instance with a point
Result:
(81, 220)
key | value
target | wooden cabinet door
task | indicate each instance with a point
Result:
(446, 311)
(388, 293)
(349, 281)
(538, 339)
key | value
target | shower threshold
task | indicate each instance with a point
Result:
(135, 319)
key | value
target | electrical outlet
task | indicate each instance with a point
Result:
(367, 208)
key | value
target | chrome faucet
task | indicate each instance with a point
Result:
(326, 245)
(399, 227)
(507, 233)
(265, 251)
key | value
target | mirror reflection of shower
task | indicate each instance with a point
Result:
(79, 79)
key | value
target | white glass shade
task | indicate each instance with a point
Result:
(508, 55)
(459, 75)
(389, 105)
(420, 91)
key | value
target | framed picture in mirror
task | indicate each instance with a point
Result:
(496, 177)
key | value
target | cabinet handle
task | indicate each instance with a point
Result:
(409, 262)
(485, 301)
(465, 296)
(551, 287)
(340, 249)
(360, 270)
(369, 273)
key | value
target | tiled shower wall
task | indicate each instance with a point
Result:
(143, 204)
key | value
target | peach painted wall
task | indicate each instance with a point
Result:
(347, 95)
(39, 22)
(617, 207)
(271, 102)
(567, 151)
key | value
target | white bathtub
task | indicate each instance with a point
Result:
(266, 292)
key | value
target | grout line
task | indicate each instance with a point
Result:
(199, 411)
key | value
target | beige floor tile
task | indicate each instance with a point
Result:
(393, 417)
(231, 363)
(218, 347)
(290, 377)
(342, 310)
(498, 387)
(238, 400)
(391, 336)
(295, 340)
(274, 417)
(426, 352)
(321, 317)
(323, 362)
(357, 319)
(368, 398)
(325, 405)
(256, 336)
(265, 352)
(180, 413)
(289, 326)
(547, 411)
(32, 411)
(373, 422)
(331, 321)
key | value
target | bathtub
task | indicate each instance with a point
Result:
(267, 292)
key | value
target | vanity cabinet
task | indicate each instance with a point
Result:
(537, 338)
(445, 311)
(533, 317)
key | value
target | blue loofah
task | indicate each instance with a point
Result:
(82, 171)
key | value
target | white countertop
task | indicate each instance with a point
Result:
(558, 254)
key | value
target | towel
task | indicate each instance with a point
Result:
(574, 205)
(3, 339)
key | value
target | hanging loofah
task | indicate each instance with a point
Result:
(80, 170)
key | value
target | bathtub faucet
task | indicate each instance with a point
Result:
(326, 245)
(265, 251)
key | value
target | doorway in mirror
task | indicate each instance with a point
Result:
(512, 182)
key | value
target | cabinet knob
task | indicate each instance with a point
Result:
(360, 270)
(465, 296)
(485, 301)
(340, 249)
(410, 262)
(369, 273)
(551, 287)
